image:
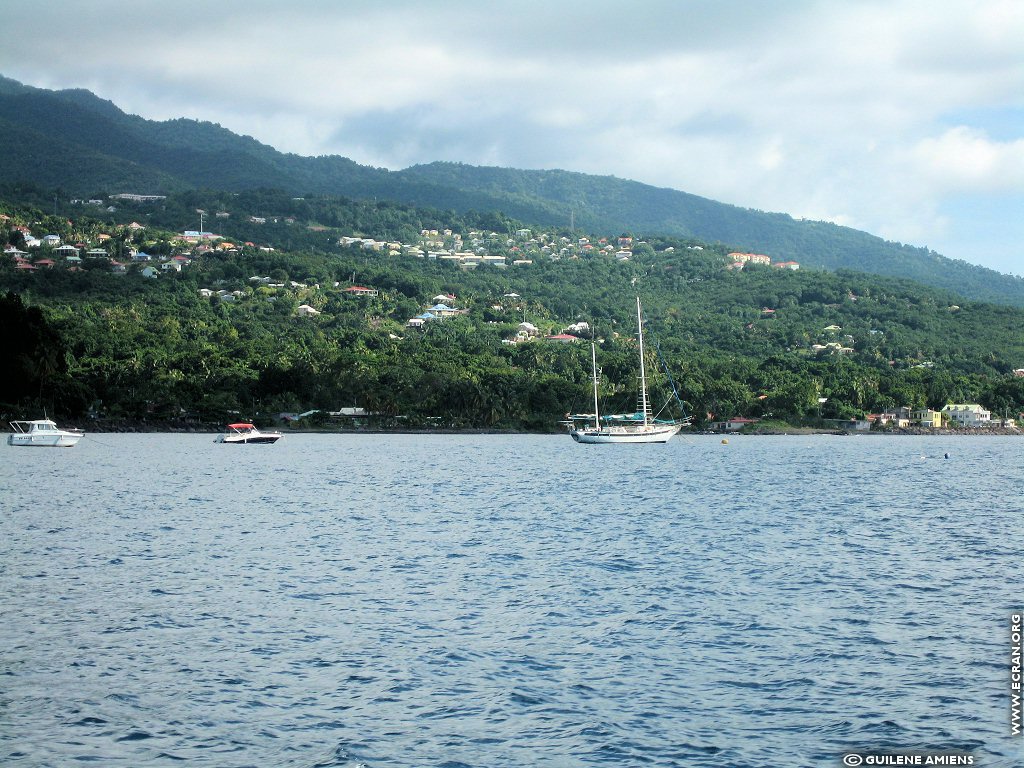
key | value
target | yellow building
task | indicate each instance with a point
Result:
(927, 418)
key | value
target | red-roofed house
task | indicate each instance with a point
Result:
(358, 290)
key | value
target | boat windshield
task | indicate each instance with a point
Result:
(32, 426)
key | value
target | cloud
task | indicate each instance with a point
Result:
(964, 159)
(878, 114)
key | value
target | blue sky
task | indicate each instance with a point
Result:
(899, 117)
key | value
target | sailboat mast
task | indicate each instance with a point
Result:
(643, 372)
(593, 362)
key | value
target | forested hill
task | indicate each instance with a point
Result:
(86, 147)
(261, 321)
(609, 202)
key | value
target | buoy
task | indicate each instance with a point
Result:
(945, 456)
(724, 441)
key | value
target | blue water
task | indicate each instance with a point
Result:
(507, 601)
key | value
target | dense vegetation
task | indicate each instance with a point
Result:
(86, 147)
(128, 347)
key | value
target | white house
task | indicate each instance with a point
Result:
(443, 310)
(967, 414)
(732, 425)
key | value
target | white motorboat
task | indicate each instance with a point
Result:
(42, 433)
(639, 427)
(244, 434)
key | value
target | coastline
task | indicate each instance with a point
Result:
(127, 426)
(900, 431)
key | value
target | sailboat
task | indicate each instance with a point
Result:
(639, 427)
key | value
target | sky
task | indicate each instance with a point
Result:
(902, 118)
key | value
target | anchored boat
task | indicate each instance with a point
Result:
(639, 427)
(244, 434)
(43, 433)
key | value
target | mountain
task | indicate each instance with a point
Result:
(74, 141)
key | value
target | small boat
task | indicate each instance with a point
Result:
(639, 427)
(43, 433)
(245, 433)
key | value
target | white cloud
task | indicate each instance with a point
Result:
(880, 114)
(965, 160)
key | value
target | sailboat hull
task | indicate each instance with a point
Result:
(652, 433)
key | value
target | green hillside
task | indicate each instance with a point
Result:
(210, 343)
(85, 146)
(599, 201)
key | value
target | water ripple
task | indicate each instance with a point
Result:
(506, 601)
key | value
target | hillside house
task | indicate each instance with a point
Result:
(578, 328)
(443, 310)
(750, 258)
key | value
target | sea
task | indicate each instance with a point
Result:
(446, 601)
